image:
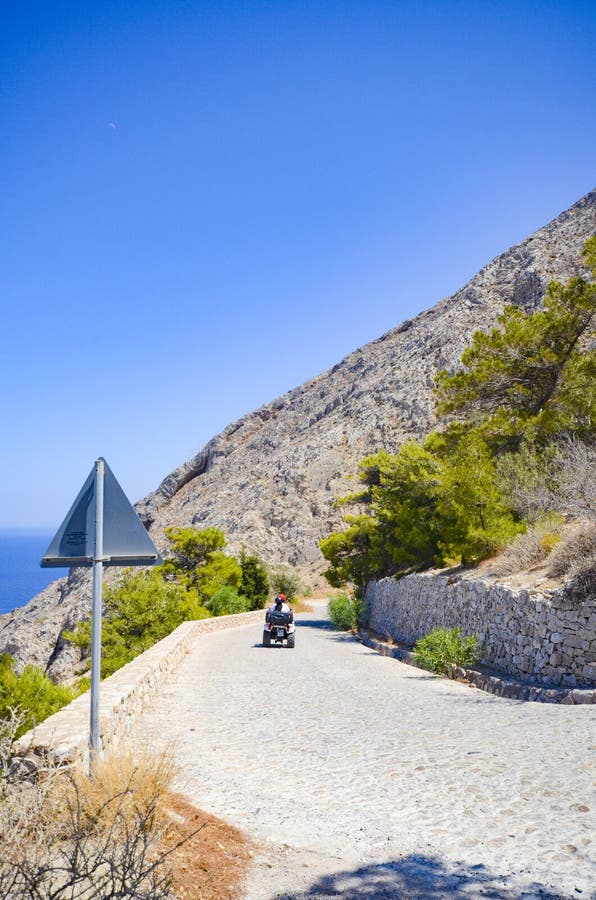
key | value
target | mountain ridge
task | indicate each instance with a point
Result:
(519, 275)
(270, 479)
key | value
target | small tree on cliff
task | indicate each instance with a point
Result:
(198, 563)
(141, 609)
(533, 376)
(529, 381)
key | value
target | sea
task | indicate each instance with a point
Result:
(20, 574)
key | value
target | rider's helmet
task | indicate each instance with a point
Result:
(280, 599)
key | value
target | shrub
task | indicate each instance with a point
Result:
(531, 547)
(344, 612)
(198, 563)
(12, 725)
(578, 547)
(550, 541)
(32, 692)
(285, 581)
(561, 476)
(227, 601)
(575, 558)
(142, 609)
(65, 835)
(255, 581)
(582, 580)
(444, 647)
(576, 478)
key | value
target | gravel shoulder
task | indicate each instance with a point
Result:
(358, 776)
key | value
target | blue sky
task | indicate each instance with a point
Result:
(205, 204)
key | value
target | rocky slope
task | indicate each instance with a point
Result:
(270, 479)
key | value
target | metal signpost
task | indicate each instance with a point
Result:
(100, 529)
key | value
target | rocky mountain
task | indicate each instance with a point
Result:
(270, 479)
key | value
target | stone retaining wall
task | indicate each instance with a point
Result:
(540, 637)
(65, 735)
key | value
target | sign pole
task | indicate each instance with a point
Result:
(94, 740)
(100, 529)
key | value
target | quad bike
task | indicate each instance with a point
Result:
(279, 627)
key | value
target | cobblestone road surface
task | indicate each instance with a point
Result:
(359, 776)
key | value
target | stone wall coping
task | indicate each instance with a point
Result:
(483, 581)
(64, 736)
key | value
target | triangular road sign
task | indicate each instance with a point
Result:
(125, 540)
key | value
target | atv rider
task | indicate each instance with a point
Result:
(279, 606)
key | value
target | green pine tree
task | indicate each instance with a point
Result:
(254, 583)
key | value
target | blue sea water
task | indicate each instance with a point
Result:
(20, 574)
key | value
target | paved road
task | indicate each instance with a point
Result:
(360, 776)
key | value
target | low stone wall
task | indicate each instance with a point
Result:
(541, 637)
(65, 736)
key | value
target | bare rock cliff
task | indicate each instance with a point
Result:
(270, 479)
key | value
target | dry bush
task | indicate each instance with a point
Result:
(9, 728)
(67, 836)
(140, 780)
(562, 477)
(530, 548)
(527, 479)
(576, 479)
(572, 553)
(575, 559)
(122, 833)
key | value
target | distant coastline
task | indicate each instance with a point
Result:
(21, 577)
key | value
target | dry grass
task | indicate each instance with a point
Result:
(563, 479)
(301, 605)
(575, 559)
(9, 728)
(325, 593)
(141, 781)
(551, 555)
(576, 479)
(66, 835)
(120, 833)
(530, 548)
(577, 549)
